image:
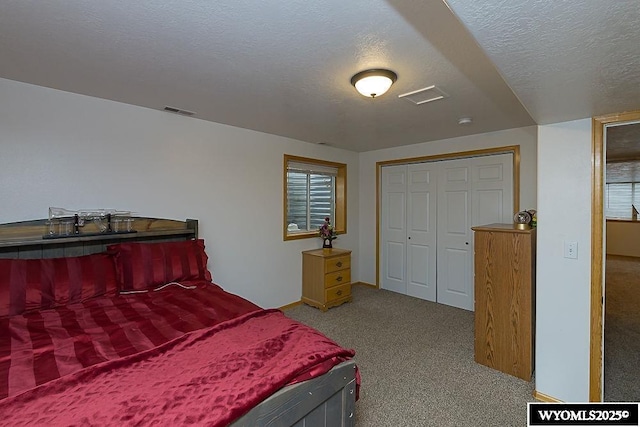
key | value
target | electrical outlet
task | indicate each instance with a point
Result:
(571, 250)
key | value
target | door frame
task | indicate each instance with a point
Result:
(514, 149)
(598, 159)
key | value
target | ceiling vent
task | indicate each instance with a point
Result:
(179, 111)
(424, 95)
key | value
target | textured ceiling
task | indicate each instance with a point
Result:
(623, 142)
(565, 60)
(285, 67)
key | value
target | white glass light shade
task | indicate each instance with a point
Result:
(373, 83)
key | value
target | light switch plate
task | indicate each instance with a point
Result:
(571, 250)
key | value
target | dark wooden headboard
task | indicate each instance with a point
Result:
(27, 239)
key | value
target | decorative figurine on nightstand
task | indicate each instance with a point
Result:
(327, 233)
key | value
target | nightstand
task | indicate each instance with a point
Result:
(326, 277)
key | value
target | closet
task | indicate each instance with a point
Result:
(427, 211)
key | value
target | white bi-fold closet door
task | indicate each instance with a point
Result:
(427, 211)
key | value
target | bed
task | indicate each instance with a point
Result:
(129, 329)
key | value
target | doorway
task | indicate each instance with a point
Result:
(426, 200)
(598, 224)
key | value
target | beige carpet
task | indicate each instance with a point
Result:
(622, 330)
(416, 362)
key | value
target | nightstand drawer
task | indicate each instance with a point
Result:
(337, 278)
(326, 277)
(338, 263)
(338, 292)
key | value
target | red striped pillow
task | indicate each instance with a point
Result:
(141, 266)
(38, 284)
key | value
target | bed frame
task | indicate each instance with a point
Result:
(325, 401)
(30, 239)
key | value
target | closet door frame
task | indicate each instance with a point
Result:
(514, 149)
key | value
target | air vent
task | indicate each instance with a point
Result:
(179, 111)
(424, 95)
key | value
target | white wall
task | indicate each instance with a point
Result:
(73, 151)
(525, 137)
(563, 285)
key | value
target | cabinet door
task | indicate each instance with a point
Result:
(503, 318)
(485, 322)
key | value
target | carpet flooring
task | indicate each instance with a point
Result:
(416, 362)
(622, 330)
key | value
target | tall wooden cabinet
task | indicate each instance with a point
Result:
(504, 284)
(326, 277)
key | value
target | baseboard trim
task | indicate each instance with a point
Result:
(545, 398)
(369, 285)
(288, 306)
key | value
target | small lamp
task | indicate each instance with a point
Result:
(373, 83)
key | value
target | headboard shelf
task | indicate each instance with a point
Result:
(26, 239)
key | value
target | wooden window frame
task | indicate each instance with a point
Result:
(340, 220)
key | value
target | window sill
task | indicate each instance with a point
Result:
(305, 235)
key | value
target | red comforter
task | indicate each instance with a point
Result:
(171, 357)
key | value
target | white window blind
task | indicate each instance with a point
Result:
(622, 189)
(619, 199)
(310, 195)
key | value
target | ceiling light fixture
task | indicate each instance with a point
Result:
(373, 83)
(465, 121)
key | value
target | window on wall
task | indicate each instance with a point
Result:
(313, 190)
(622, 189)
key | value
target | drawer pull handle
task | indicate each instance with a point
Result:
(339, 264)
(339, 292)
(339, 278)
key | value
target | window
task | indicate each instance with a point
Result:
(622, 189)
(620, 197)
(313, 190)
